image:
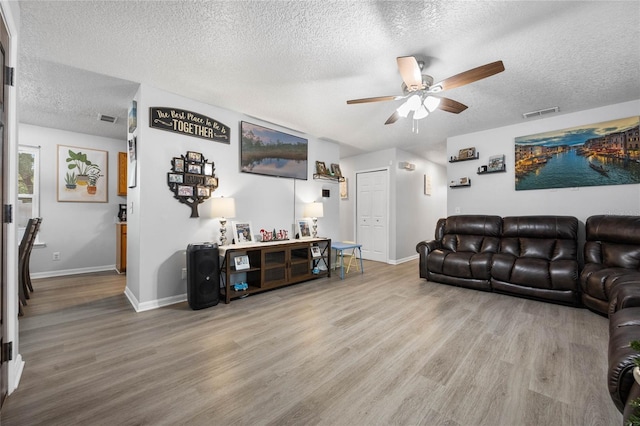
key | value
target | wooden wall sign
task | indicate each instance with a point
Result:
(188, 123)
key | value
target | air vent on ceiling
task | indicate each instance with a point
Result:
(107, 118)
(540, 112)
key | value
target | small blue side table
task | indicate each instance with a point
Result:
(340, 247)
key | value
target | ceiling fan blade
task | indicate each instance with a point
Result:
(410, 72)
(394, 117)
(469, 76)
(450, 105)
(376, 99)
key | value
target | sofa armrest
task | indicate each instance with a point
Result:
(625, 293)
(428, 246)
(424, 248)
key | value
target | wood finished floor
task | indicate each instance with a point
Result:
(383, 348)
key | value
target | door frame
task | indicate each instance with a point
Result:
(385, 169)
(8, 12)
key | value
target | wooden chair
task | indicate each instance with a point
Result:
(24, 277)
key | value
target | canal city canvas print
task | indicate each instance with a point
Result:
(270, 152)
(606, 153)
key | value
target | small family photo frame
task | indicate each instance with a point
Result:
(194, 156)
(178, 165)
(242, 232)
(241, 262)
(315, 251)
(321, 168)
(303, 228)
(335, 169)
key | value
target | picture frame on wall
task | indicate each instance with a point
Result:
(133, 162)
(195, 157)
(82, 174)
(344, 190)
(185, 191)
(242, 232)
(303, 228)
(178, 165)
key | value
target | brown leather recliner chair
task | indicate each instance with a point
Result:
(538, 258)
(612, 261)
(462, 251)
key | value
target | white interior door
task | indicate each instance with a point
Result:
(371, 212)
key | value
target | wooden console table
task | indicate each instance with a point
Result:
(273, 265)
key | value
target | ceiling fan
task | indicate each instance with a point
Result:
(420, 90)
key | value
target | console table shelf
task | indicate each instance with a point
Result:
(273, 265)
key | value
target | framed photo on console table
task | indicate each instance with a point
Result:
(241, 262)
(303, 228)
(242, 232)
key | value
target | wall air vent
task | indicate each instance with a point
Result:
(540, 112)
(107, 118)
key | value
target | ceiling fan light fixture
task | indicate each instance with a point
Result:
(431, 102)
(414, 102)
(420, 113)
(404, 110)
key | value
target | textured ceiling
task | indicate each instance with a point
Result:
(296, 63)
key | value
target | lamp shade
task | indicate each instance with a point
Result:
(313, 210)
(223, 207)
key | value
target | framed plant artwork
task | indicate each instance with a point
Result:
(82, 175)
(303, 228)
(242, 232)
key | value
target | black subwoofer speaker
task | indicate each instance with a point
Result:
(203, 275)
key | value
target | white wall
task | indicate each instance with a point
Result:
(159, 227)
(412, 214)
(496, 194)
(83, 233)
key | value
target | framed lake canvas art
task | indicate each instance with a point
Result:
(269, 152)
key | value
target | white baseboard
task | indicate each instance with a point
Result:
(16, 367)
(63, 272)
(153, 304)
(406, 259)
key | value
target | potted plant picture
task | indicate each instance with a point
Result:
(93, 174)
(79, 162)
(70, 180)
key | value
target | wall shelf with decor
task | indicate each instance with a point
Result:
(465, 154)
(457, 160)
(466, 185)
(484, 172)
(496, 165)
(328, 177)
(463, 182)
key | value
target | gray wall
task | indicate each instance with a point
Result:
(83, 233)
(412, 214)
(496, 194)
(159, 227)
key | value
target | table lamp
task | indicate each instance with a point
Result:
(223, 208)
(314, 211)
